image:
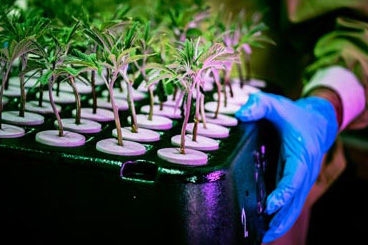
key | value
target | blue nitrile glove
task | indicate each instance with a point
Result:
(308, 128)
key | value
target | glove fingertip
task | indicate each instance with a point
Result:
(274, 203)
(268, 238)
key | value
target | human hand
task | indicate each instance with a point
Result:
(308, 128)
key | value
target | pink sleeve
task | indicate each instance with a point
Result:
(346, 85)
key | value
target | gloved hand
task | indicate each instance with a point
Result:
(308, 128)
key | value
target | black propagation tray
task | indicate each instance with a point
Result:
(55, 195)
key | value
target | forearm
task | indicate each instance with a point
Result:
(332, 97)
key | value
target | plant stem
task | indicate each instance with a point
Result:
(55, 110)
(23, 95)
(77, 100)
(116, 114)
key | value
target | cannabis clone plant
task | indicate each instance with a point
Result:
(169, 49)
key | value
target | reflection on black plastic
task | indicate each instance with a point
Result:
(254, 224)
(139, 170)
